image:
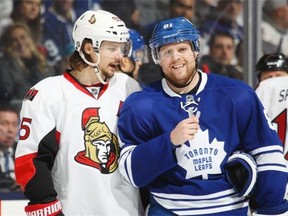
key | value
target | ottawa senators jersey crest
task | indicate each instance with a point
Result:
(101, 146)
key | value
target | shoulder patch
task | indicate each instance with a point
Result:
(31, 94)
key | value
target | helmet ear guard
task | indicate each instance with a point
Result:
(241, 172)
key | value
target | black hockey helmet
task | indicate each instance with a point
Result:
(272, 62)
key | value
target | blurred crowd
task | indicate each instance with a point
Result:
(36, 40)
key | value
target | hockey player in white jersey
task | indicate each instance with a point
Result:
(190, 173)
(271, 65)
(67, 155)
(273, 94)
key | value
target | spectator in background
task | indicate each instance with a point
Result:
(21, 65)
(79, 5)
(224, 18)
(57, 31)
(152, 10)
(275, 27)
(185, 8)
(125, 10)
(84, 5)
(221, 53)
(29, 12)
(204, 8)
(9, 122)
(271, 65)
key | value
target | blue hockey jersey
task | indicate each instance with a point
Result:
(191, 179)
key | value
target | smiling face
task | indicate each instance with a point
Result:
(21, 43)
(178, 62)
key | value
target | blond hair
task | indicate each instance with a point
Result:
(9, 50)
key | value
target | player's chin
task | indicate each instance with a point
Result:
(181, 82)
(109, 73)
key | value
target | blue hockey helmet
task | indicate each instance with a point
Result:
(139, 48)
(173, 30)
(136, 38)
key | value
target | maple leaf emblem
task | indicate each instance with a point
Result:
(201, 157)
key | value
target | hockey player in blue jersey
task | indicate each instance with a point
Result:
(179, 135)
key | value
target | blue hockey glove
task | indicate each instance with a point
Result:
(241, 172)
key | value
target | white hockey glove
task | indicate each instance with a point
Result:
(241, 172)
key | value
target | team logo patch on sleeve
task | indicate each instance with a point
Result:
(31, 94)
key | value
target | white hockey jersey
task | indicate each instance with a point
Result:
(68, 146)
(273, 94)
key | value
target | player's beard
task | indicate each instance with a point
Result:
(179, 85)
(107, 74)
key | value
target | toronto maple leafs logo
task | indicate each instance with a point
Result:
(201, 157)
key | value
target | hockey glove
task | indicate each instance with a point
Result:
(283, 214)
(241, 172)
(281, 210)
(48, 209)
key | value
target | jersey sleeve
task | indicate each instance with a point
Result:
(37, 146)
(259, 138)
(132, 86)
(140, 152)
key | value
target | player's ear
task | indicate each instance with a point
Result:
(88, 48)
(125, 60)
(127, 65)
(196, 54)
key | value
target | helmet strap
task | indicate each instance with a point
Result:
(98, 74)
(94, 65)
